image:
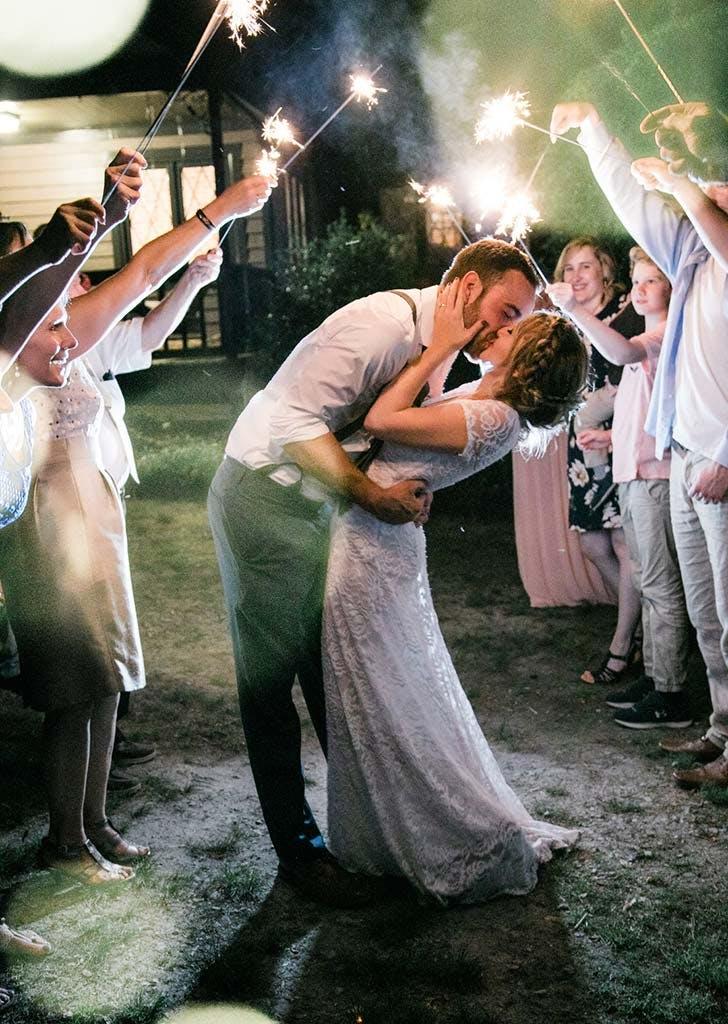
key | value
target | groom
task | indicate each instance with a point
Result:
(289, 456)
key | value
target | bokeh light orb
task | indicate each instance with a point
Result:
(43, 38)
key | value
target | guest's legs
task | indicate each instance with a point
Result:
(701, 537)
(67, 744)
(607, 551)
(103, 723)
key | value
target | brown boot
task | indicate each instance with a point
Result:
(703, 750)
(713, 774)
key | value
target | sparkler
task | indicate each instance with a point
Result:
(242, 16)
(518, 216)
(489, 191)
(279, 132)
(363, 90)
(503, 115)
(643, 43)
(441, 198)
(620, 78)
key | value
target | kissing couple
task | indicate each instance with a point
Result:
(315, 513)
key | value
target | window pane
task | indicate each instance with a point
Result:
(152, 215)
(198, 189)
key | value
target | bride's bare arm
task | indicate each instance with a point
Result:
(439, 427)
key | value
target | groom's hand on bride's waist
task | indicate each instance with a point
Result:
(405, 502)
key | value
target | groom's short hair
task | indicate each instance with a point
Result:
(490, 258)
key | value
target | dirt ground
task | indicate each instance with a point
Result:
(627, 928)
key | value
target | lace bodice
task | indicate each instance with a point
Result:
(16, 450)
(492, 427)
(74, 410)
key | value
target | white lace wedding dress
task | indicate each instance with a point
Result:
(413, 787)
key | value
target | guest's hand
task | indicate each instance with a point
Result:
(72, 228)
(570, 115)
(710, 484)
(246, 196)
(450, 333)
(594, 440)
(204, 269)
(124, 175)
(561, 294)
(654, 174)
(693, 139)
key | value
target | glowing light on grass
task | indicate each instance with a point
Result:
(645, 46)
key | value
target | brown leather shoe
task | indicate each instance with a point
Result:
(703, 750)
(323, 880)
(713, 774)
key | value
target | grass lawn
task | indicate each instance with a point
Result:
(629, 928)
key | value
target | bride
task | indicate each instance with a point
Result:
(413, 787)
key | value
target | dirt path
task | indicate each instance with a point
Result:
(626, 929)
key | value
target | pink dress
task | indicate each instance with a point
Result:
(553, 569)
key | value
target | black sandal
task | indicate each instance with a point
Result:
(606, 676)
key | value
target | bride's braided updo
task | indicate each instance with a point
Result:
(546, 373)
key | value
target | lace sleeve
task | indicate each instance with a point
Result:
(493, 429)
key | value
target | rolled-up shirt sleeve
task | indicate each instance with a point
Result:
(353, 358)
(656, 226)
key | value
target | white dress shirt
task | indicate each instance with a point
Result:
(331, 378)
(120, 351)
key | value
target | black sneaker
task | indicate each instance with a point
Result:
(126, 752)
(121, 782)
(657, 711)
(631, 695)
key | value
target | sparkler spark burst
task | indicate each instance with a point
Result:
(489, 191)
(364, 90)
(245, 18)
(278, 131)
(518, 216)
(439, 196)
(267, 165)
(501, 116)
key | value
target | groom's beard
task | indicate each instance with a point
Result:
(475, 350)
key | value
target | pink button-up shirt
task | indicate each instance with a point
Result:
(633, 449)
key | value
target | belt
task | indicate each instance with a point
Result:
(679, 449)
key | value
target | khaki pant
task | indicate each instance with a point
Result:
(645, 506)
(701, 538)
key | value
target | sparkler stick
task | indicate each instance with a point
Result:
(620, 78)
(503, 115)
(441, 198)
(536, 169)
(643, 42)
(362, 88)
(243, 15)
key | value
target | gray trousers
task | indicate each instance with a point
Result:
(272, 547)
(645, 507)
(701, 538)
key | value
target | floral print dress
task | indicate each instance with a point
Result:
(593, 502)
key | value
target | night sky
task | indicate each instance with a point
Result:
(441, 59)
